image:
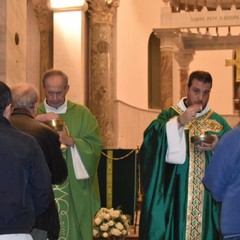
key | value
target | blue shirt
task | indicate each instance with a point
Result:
(222, 178)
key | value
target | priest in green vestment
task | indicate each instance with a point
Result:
(78, 197)
(176, 206)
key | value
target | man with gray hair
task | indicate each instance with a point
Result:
(25, 180)
(25, 102)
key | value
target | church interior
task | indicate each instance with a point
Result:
(126, 59)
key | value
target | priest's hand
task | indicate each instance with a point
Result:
(65, 138)
(46, 117)
(208, 146)
(190, 114)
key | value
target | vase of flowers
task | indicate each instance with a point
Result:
(110, 224)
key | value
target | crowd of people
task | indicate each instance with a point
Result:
(191, 189)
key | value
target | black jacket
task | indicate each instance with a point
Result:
(50, 144)
(25, 180)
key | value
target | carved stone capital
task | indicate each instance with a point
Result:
(44, 15)
(102, 11)
(184, 57)
(166, 38)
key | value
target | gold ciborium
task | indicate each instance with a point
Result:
(57, 125)
(202, 139)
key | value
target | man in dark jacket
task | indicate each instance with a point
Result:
(25, 100)
(25, 179)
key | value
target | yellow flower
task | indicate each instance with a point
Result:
(110, 222)
(105, 235)
(115, 232)
(95, 232)
(104, 227)
(119, 226)
(116, 213)
(106, 216)
(97, 220)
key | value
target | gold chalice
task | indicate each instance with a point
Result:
(57, 125)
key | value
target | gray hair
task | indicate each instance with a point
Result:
(24, 96)
(55, 72)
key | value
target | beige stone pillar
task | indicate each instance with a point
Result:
(101, 77)
(3, 40)
(13, 28)
(166, 61)
(45, 23)
(184, 57)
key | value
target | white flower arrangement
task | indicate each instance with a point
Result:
(109, 223)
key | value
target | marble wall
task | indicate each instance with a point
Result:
(3, 40)
(15, 27)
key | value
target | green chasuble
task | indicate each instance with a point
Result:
(79, 200)
(176, 206)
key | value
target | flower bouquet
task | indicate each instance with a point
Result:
(110, 224)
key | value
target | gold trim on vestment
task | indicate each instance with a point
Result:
(197, 164)
(109, 179)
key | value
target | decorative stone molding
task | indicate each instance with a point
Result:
(184, 57)
(45, 23)
(166, 47)
(102, 11)
(166, 38)
(44, 15)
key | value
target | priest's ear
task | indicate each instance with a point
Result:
(66, 89)
(186, 89)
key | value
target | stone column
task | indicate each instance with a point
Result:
(3, 40)
(101, 77)
(45, 23)
(166, 48)
(13, 28)
(184, 57)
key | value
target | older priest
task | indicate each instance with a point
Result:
(78, 197)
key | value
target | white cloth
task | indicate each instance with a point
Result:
(18, 236)
(79, 168)
(61, 109)
(176, 152)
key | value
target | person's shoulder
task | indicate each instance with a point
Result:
(231, 136)
(216, 114)
(45, 130)
(71, 104)
(167, 113)
(219, 118)
(78, 107)
(234, 132)
(24, 137)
